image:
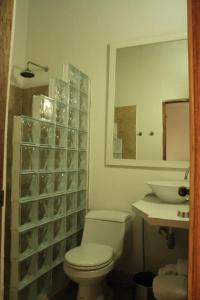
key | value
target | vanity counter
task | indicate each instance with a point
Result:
(156, 212)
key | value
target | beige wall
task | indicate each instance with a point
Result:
(20, 41)
(146, 76)
(79, 32)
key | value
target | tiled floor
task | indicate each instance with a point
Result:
(122, 294)
(117, 294)
(120, 287)
(113, 290)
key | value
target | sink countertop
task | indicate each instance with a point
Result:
(156, 212)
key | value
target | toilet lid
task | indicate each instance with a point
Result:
(89, 255)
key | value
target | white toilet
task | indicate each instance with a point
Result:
(101, 246)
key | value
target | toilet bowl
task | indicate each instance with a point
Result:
(101, 246)
(88, 265)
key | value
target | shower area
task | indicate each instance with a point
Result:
(47, 182)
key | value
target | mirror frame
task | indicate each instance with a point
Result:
(110, 161)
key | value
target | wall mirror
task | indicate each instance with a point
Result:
(148, 103)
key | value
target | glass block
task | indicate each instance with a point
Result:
(27, 213)
(58, 252)
(71, 223)
(73, 118)
(59, 229)
(73, 97)
(27, 293)
(59, 279)
(80, 219)
(44, 209)
(72, 160)
(59, 205)
(72, 139)
(26, 242)
(44, 286)
(27, 270)
(60, 159)
(29, 131)
(83, 121)
(83, 102)
(47, 133)
(71, 202)
(84, 82)
(71, 242)
(81, 200)
(83, 140)
(82, 179)
(72, 181)
(79, 235)
(44, 260)
(82, 160)
(68, 244)
(28, 158)
(61, 136)
(74, 76)
(59, 182)
(46, 156)
(44, 108)
(45, 183)
(61, 113)
(44, 235)
(58, 90)
(28, 185)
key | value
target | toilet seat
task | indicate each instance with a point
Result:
(89, 256)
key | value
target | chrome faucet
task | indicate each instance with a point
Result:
(187, 171)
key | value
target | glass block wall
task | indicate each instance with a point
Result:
(49, 186)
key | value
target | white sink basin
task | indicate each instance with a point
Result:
(167, 191)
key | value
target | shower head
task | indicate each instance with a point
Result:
(29, 73)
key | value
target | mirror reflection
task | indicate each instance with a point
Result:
(151, 110)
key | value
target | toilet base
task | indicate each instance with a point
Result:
(90, 292)
(90, 281)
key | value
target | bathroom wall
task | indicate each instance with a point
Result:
(79, 32)
(19, 41)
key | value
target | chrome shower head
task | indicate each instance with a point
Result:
(29, 73)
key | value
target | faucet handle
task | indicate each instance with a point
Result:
(183, 191)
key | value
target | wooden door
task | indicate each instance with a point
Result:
(6, 10)
(6, 16)
(176, 142)
(194, 228)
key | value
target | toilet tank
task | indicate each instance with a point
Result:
(106, 227)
